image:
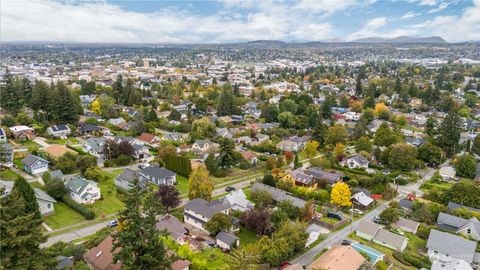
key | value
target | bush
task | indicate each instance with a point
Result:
(381, 265)
(108, 163)
(122, 160)
(399, 257)
(423, 231)
(87, 213)
(55, 188)
(419, 262)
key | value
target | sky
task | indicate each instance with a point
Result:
(226, 21)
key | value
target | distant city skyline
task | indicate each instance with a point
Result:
(228, 21)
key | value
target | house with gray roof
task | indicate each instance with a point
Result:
(302, 178)
(318, 173)
(94, 146)
(375, 233)
(44, 201)
(57, 174)
(174, 136)
(407, 225)
(174, 227)
(34, 165)
(157, 175)
(446, 247)
(199, 211)
(127, 178)
(6, 155)
(227, 241)
(279, 195)
(459, 225)
(82, 191)
(201, 145)
(356, 161)
(88, 129)
(453, 206)
(237, 201)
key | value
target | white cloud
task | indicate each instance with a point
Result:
(464, 27)
(376, 23)
(409, 15)
(440, 7)
(326, 7)
(427, 2)
(103, 22)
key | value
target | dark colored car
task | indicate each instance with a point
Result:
(334, 215)
(229, 188)
(346, 242)
(283, 265)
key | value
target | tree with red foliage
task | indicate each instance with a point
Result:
(257, 220)
(169, 196)
(289, 157)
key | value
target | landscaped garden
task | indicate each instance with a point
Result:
(63, 216)
(8, 175)
(62, 141)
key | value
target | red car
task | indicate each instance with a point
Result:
(283, 265)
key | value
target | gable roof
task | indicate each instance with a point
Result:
(389, 238)
(173, 226)
(452, 206)
(157, 172)
(226, 238)
(39, 194)
(450, 222)
(147, 137)
(236, 199)
(339, 258)
(405, 203)
(58, 128)
(368, 228)
(101, 256)
(359, 159)
(453, 245)
(30, 159)
(279, 195)
(319, 173)
(89, 127)
(362, 198)
(128, 175)
(407, 223)
(204, 207)
(301, 177)
(77, 184)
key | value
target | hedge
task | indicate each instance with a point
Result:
(76, 149)
(419, 262)
(399, 257)
(87, 213)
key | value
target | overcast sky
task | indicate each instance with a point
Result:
(236, 20)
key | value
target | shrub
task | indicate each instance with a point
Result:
(107, 163)
(381, 265)
(87, 213)
(98, 237)
(423, 231)
(122, 160)
(419, 262)
(399, 257)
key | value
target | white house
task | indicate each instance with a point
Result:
(199, 211)
(94, 146)
(237, 201)
(201, 145)
(44, 201)
(34, 165)
(227, 241)
(60, 131)
(447, 173)
(356, 161)
(446, 247)
(83, 191)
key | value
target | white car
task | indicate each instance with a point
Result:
(144, 165)
(356, 211)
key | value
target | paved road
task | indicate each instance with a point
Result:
(308, 257)
(86, 231)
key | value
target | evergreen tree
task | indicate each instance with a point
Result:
(139, 243)
(450, 132)
(476, 145)
(67, 111)
(358, 85)
(360, 129)
(28, 195)
(40, 93)
(117, 89)
(227, 156)
(430, 126)
(20, 236)
(226, 104)
(10, 95)
(236, 90)
(296, 161)
(319, 132)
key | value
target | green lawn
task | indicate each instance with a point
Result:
(63, 216)
(110, 202)
(441, 186)
(248, 192)
(62, 141)
(329, 220)
(182, 184)
(214, 258)
(31, 145)
(8, 175)
(37, 185)
(18, 163)
(247, 236)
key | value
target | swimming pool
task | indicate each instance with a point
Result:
(373, 254)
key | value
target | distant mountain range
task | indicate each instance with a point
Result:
(369, 40)
(401, 39)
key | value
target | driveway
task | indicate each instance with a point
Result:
(41, 141)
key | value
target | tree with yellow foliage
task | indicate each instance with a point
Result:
(199, 185)
(95, 106)
(340, 195)
(311, 148)
(382, 111)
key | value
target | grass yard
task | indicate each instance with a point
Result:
(8, 175)
(62, 141)
(31, 145)
(248, 192)
(329, 220)
(63, 216)
(18, 163)
(182, 184)
(37, 185)
(441, 186)
(110, 202)
(247, 236)
(214, 258)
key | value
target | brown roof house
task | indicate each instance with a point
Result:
(101, 257)
(149, 139)
(339, 258)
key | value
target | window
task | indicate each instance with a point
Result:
(49, 206)
(469, 231)
(435, 252)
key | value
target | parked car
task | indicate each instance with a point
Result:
(378, 220)
(283, 265)
(334, 215)
(346, 242)
(229, 188)
(112, 223)
(356, 211)
(143, 166)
